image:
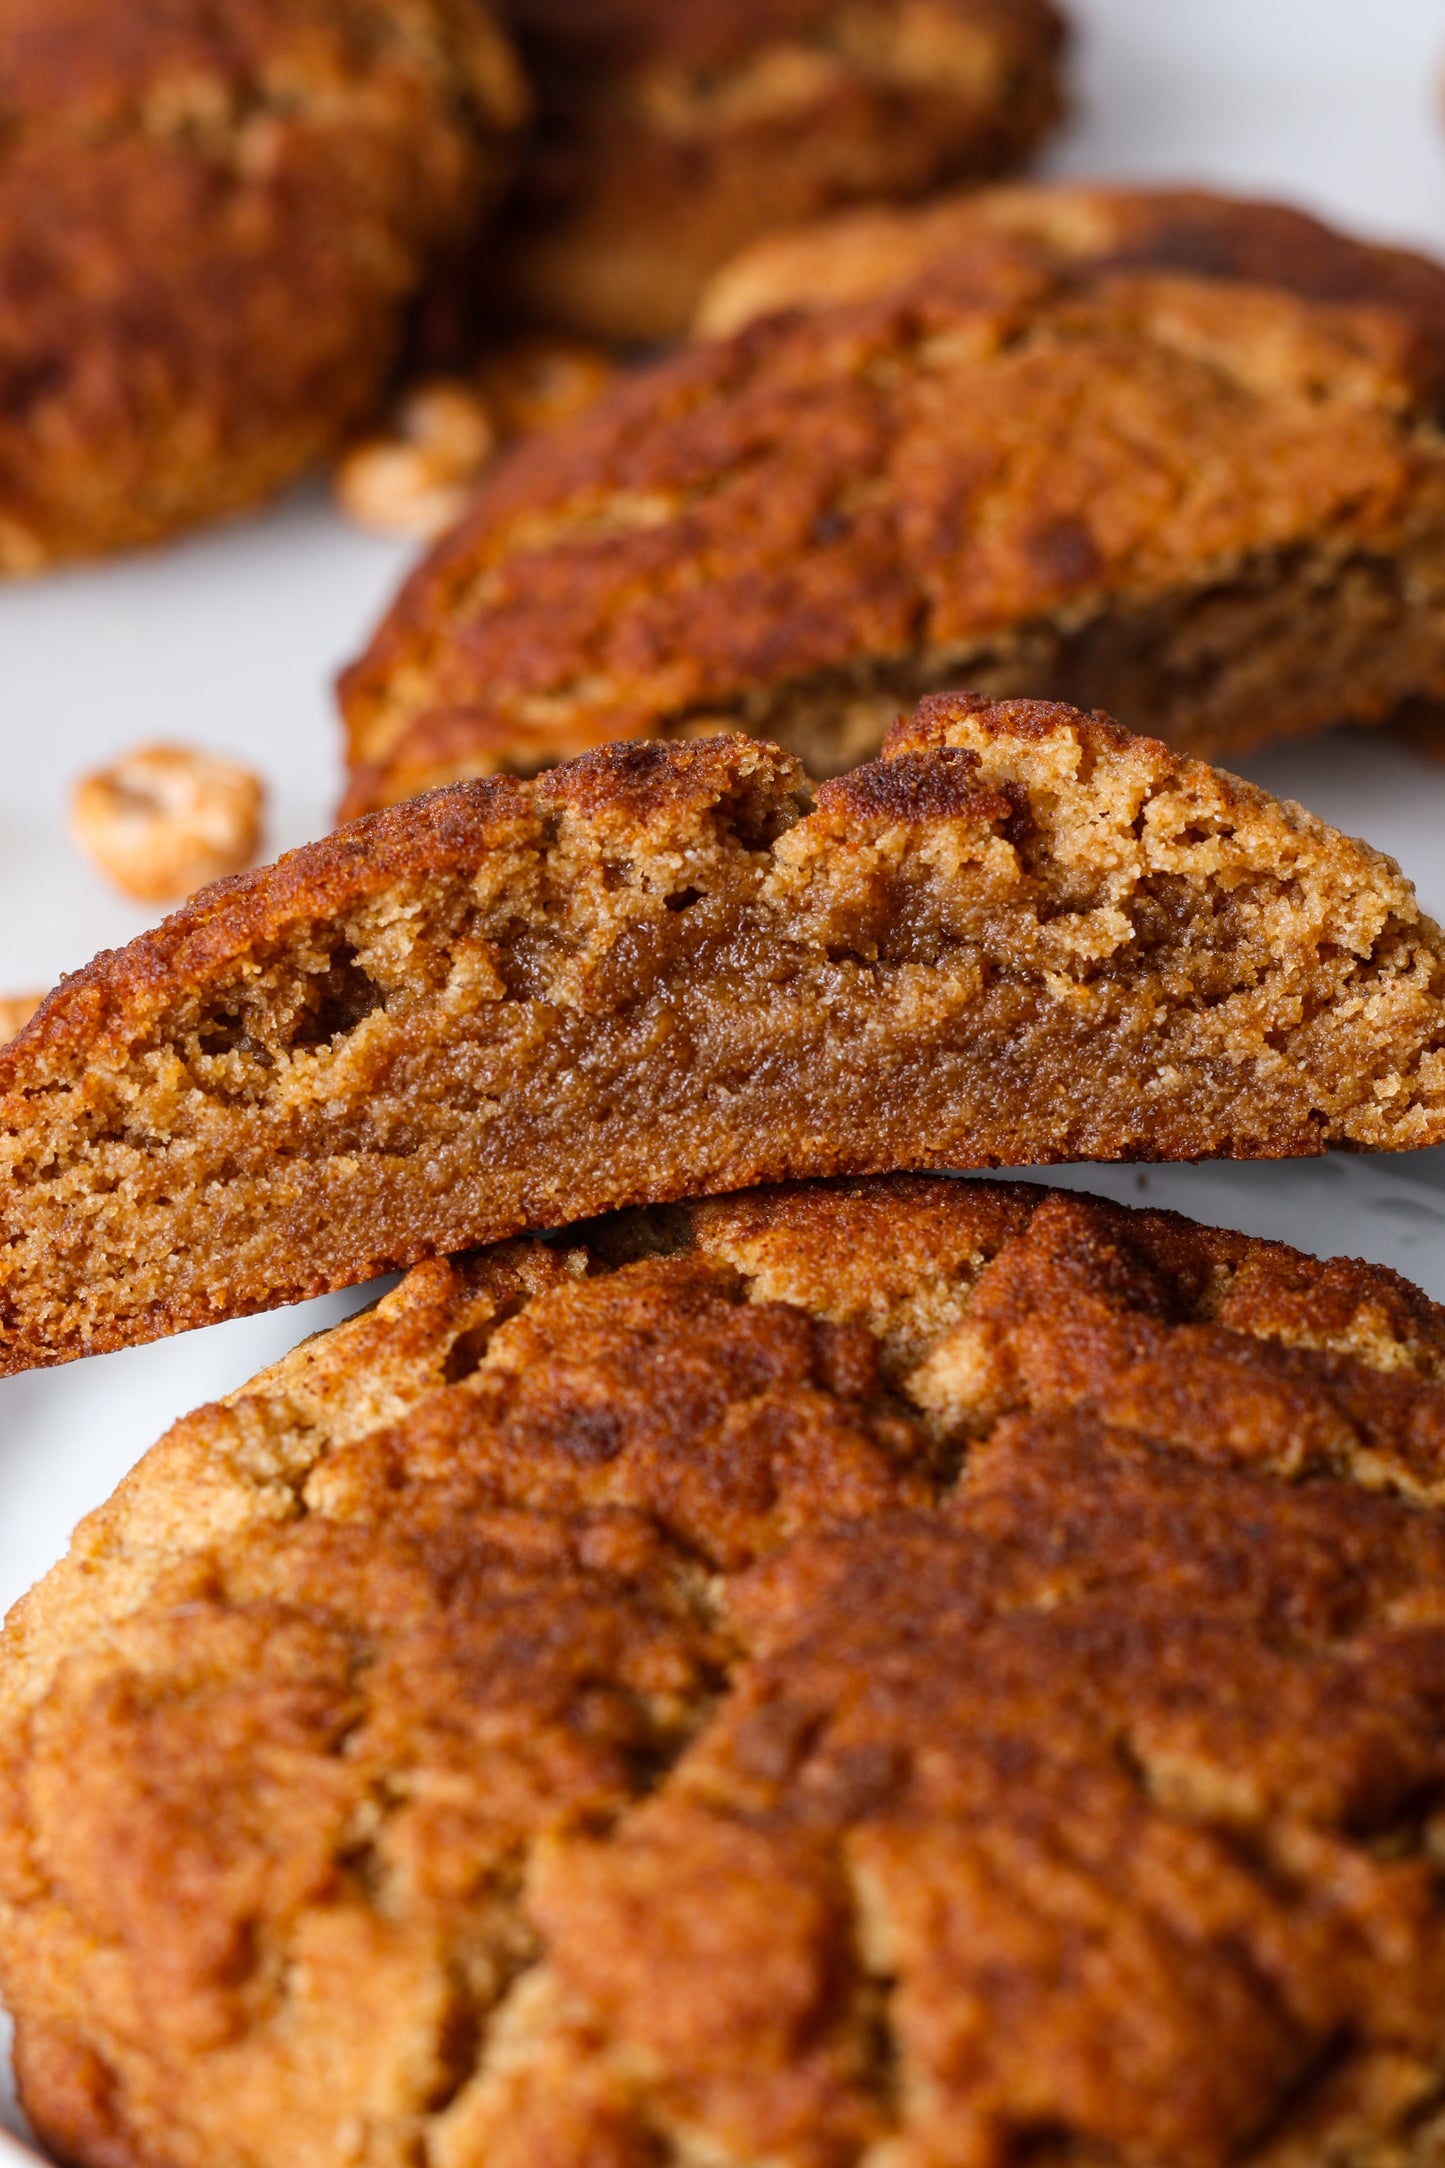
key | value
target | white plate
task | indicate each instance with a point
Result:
(231, 640)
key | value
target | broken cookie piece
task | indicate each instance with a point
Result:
(1022, 936)
(1167, 455)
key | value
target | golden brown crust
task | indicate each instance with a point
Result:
(671, 135)
(1022, 936)
(936, 1667)
(212, 219)
(1147, 482)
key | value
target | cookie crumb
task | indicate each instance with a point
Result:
(414, 479)
(163, 820)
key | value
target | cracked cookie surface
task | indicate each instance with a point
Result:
(884, 1671)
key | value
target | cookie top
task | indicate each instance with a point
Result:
(943, 1666)
(212, 218)
(1126, 469)
(1187, 231)
(665, 971)
(669, 136)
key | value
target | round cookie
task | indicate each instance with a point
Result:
(213, 217)
(909, 1671)
(671, 134)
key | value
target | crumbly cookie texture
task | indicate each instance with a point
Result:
(899, 1671)
(669, 970)
(670, 135)
(213, 216)
(1189, 469)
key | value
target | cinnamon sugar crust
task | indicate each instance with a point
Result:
(1173, 457)
(664, 971)
(669, 135)
(213, 218)
(898, 1670)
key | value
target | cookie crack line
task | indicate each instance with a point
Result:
(1021, 936)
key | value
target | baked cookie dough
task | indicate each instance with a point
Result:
(673, 970)
(673, 131)
(213, 217)
(1169, 456)
(909, 1671)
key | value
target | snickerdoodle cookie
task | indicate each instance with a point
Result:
(213, 217)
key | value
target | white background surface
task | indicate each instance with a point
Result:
(231, 641)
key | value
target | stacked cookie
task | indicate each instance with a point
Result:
(758, 1652)
(842, 1666)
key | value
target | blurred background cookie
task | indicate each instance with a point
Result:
(1165, 454)
(213, 218)
(670, 134)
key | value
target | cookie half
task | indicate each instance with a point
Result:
(906, 1670)
(213, 218)
(1172, 457)
(668, 135)
(663, 971)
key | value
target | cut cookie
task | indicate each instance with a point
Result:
(214, 216)
(1176, 458)
(1022, 936)
(670, 134)
(902, 1670)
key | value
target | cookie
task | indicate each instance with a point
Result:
(667, 971)
(907, 1669)
(670, 135)
(1154, 478)
(213, 219)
